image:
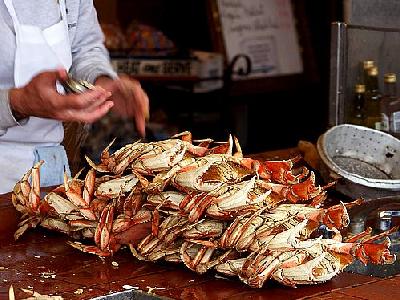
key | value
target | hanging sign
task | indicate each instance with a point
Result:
(265, 31)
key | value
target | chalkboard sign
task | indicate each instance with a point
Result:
(263, 30)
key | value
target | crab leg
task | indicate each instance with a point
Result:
(34, 193)
(88, 190)
(103, 229)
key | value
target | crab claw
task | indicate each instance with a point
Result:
(281, 171)
(376, 253)
(302, 191)
(336, 217)
(90, 249)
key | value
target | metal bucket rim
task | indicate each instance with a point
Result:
(390, 184)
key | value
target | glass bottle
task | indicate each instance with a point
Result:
(357, 115)
(392, 110)
(394, 119)
(388, 97)
(372, 100)
(367, 64)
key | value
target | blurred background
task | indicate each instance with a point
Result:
(266, 113)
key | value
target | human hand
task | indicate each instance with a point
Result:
(130, 100)
(39, 98)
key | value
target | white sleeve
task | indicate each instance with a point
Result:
(90, 57)
(6, 118)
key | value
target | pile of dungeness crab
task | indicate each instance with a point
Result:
(207, 206)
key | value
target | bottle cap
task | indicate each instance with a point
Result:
(373, 71)
(390, 77)
(368, 64)
(360, 88)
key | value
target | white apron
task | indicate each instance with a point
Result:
(37, 50)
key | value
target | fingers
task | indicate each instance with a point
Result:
(87, 100)
(87, 107)
(127, 94)
(135, 102)
(40, 98)
(49, 78)
(88, 115)
(141, 114)
(144, 101)
(62, 74)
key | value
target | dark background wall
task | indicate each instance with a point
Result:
(275, 119)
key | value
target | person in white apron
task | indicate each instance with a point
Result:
(36, 50)
(39, 54)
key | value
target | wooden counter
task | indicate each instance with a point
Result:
(41, 260)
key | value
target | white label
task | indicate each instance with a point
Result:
(396, 121)
(156, 67)
(385, 122)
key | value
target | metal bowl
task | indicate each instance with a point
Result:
(368, 160)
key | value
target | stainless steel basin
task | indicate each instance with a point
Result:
(366, 162)
(131, 295)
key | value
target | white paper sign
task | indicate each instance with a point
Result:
(265, 31)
